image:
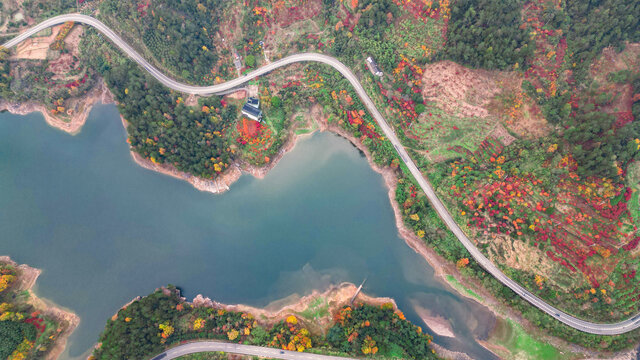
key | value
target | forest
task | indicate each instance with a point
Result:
(25, 332)
(148, 325)
(378, 330)
(594, 25)
(487, 34)
(180, 35)
(5, 76)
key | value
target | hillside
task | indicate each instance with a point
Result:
(522, 114)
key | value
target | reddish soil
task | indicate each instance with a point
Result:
(284, 15)
(609, 62)
(62, 65)
(65, 62)
(460, 90)
(478, 93)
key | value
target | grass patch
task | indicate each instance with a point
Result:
(458, 286)
(437, 131)
(634, 207)
(318, 308)
(515, 339)
(410, 34)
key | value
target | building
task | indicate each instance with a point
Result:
(252, 109)
(253, 102)
(373, 67)
(237, 62)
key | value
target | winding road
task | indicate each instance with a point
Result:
(220, 89)
(233, 348)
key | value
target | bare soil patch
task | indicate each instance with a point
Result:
(73, 39)
(336, 297)
(477, 93)
(437, 324)
(458, 89)
(36, 48)
(610, 62)
(500, 133)
(61, 66)
(518, 255)
(285, 15)
(69, 60)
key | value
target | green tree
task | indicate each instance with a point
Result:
(276, 102)
(250, 61)
(12, 333)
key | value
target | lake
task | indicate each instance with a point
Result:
(105, 230)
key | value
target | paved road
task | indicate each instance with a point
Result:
(582, 325)
(207, 346)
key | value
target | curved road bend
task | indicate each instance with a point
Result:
(582, 325)
(209, 346)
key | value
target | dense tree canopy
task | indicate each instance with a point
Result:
(178, 33)
(164, 130)
(596, 24)
(368, 329)
(487, 34)
(12, 333)
(5, 78)
(133, 333)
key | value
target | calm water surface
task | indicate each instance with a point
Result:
(104, 230)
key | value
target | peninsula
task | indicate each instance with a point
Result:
(543, 218)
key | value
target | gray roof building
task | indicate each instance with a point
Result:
(251, 109)
(373, 67)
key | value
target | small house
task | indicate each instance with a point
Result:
(251, 109)
(373, 67)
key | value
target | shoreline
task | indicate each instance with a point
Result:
(226, 178)
(336, 297)
(438, 324)
(222, 184)
(67, 319)
(98, 93)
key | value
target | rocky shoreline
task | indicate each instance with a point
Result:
(83, 104)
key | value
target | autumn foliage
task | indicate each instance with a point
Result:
(367, 330)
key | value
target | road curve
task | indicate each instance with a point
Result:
(579, 324)
(233, 348)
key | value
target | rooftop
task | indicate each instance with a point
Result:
(252, 112)
(254, 102)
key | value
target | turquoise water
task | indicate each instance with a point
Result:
(105, 230)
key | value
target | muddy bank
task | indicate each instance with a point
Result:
(437, 324)
(68, 320)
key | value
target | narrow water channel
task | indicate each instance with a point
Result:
(105, 230)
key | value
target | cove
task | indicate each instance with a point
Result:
(105, 230)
